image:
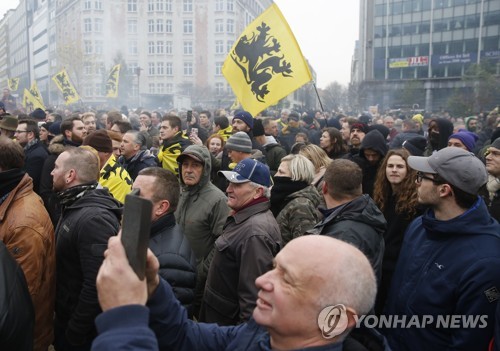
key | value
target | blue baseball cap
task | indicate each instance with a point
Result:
(249, 170)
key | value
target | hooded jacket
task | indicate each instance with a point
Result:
(28, 233)
(360, 223)
(375, 141)
(202, 209)
(445, 128)
(299, 214)
(447, 268)
(82, 237)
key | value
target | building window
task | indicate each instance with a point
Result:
(87, 5)
(87, 68)
(98, 25)
(219, 89)
(99, 68)
(88, 47)
(218, 68)
(151, 26)
(219, 26)
(132, 26)
(187, 5)
(230, 26)
(160, 68)
(168, 5)
(230, 5)
(169, 69)
(160, 88)
(132, 47)
(132, 68)
(219, 47)
(230, 44)
(151, 88)
(151, 68)
(159, 47)
(219, 5)
(132, 6)
(87, 23)
(168, 26)
(168, 47)
(159, 26)
(98, 5)
(159, 5)
(98, 89)
(151, 5)
(151, 47)
(188, 48)
(188, 26)
(99, 47)
(188, 68)
(87, 89)
(169, 88)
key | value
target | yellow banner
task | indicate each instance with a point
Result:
(30, 102)
(64, 84)
(36, 94)
(112, 83)
(265, 64)
(13, 84)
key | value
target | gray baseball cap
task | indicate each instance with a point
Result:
(459, 167)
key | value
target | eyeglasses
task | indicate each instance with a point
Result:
(21, 131)
(421, 175)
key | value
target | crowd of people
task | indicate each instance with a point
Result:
(259, 224)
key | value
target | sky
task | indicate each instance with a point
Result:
(326, 31)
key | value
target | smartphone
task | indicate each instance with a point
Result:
(189, 116)
(136, 226)
(194, 131)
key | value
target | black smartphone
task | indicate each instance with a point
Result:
(189, 116)
(136, 226)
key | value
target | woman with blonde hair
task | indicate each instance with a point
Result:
(294, 200)
(320, 161)
(395, 194)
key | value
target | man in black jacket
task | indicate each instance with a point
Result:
(166, 240)
(351, 216)
(90, 216)
(35, 152)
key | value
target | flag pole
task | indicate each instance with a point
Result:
(317, 94)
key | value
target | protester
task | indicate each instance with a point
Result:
(331, 141)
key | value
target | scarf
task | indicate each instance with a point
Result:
(283, 186)
(69, 196)
(9, 180)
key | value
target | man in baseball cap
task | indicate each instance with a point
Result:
(245, 249)
(449, 258)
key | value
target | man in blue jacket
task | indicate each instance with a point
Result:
(448, 270)
(308, 301)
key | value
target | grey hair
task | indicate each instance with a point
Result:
(139, 138)
(266, 190)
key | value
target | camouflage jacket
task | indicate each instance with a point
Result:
(299, 214)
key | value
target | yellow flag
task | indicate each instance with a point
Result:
(64, 84)
(112, 83)
(265, 64)
(235, 105)
(13, 83)
(30, 102)
(36, 94)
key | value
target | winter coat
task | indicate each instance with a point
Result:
(26, 230)
(400, 138)
(18, 317)
(360, 223)
(34, 157)
(177, 260)
(243, 252)
(202, 209)
(143, 159)
(82, 237)
(274, 153)
(299, 214)
(116, 179)
(128, 325)
(169, 151)
(447, 268)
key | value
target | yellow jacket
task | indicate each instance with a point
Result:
(170, 150)
(226, 133)
(116, 178)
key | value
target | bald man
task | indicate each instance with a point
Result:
(314, 278)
